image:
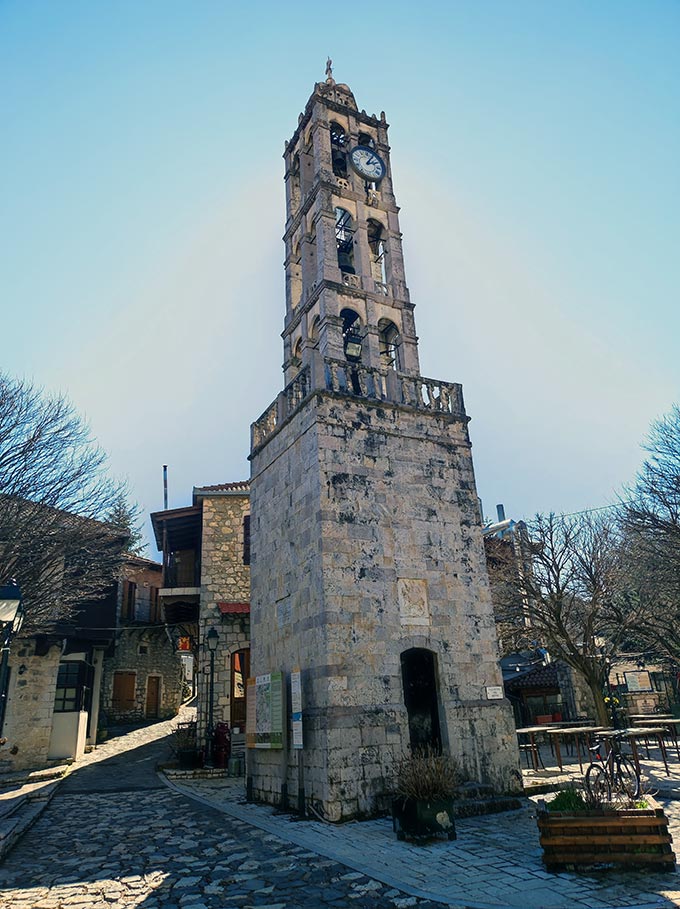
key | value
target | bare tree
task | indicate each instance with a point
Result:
(574, 601)
(54, 499)
(651, 518)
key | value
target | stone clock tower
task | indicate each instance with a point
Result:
(367, 563)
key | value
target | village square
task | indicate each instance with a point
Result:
(327, 672)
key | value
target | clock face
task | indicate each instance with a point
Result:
(367, 163)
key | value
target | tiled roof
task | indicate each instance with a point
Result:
(239, 486)
(539, 677)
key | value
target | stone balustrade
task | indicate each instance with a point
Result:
(388, 385)
(360, 381)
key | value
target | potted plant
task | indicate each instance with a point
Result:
(184, 745)
(426, 783)
(579, 831)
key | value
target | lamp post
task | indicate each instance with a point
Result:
(11, 617)
(212, 639)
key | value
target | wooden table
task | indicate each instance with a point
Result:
(532, 731)
(669, 723)
(577, 732)
(639, 732)
(648, 717)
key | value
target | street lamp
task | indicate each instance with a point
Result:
(212, 639)
(11, 617)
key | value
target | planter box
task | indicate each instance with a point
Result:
(633, 837)
(420, 818)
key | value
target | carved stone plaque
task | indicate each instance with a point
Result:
(413, 606)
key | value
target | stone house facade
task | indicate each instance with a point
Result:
(225, 603)
(54, 687)
(142, 674)
(28, 724)
(206, 585)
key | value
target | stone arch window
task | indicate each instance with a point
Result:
(378, 248)
(297, 354)
(351, 334)
(314, 331)
(366, 139)
(296, 275)
(344, 239)
(390, 343)
(339, 150)
(295, 183)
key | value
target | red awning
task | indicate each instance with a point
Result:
(234, 608)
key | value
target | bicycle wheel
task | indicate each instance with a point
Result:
(597, 784)
(627, 779)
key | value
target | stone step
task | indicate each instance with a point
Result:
(16, 778)
(20, 807)
(473, 791)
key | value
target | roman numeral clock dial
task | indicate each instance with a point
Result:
(367, 163)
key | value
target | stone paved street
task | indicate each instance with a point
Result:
(115, 835)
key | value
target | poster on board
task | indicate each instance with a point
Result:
(296, 707)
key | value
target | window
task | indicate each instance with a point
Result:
(344, 239)
(376, 243)
(154, 605)
(365, 139)
(69, 693)
(127, 607)
(295, 276)
(390, 341)
(143, 650)
(123, 698)
(314, 331)
(246, 539)
(338, 153)
(182, 569)
(352, 343)
(297, 354)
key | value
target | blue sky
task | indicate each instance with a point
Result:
(534, 153)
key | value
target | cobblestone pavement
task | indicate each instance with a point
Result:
(496, 862)
(115, 837)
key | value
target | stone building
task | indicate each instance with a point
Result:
(206, 584)
(368, 569)
(142, 674)
(54, 687)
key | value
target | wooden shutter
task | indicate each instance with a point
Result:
(124, 684)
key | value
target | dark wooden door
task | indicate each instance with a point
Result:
(123, 691)
(153, 690)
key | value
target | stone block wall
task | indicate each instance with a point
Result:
(146, 652)
(30, 705)
(225, 578)
(366, 543)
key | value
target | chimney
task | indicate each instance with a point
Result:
(500, 511)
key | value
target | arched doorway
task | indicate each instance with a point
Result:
(420, 697)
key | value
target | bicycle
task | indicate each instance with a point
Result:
(611, 772)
